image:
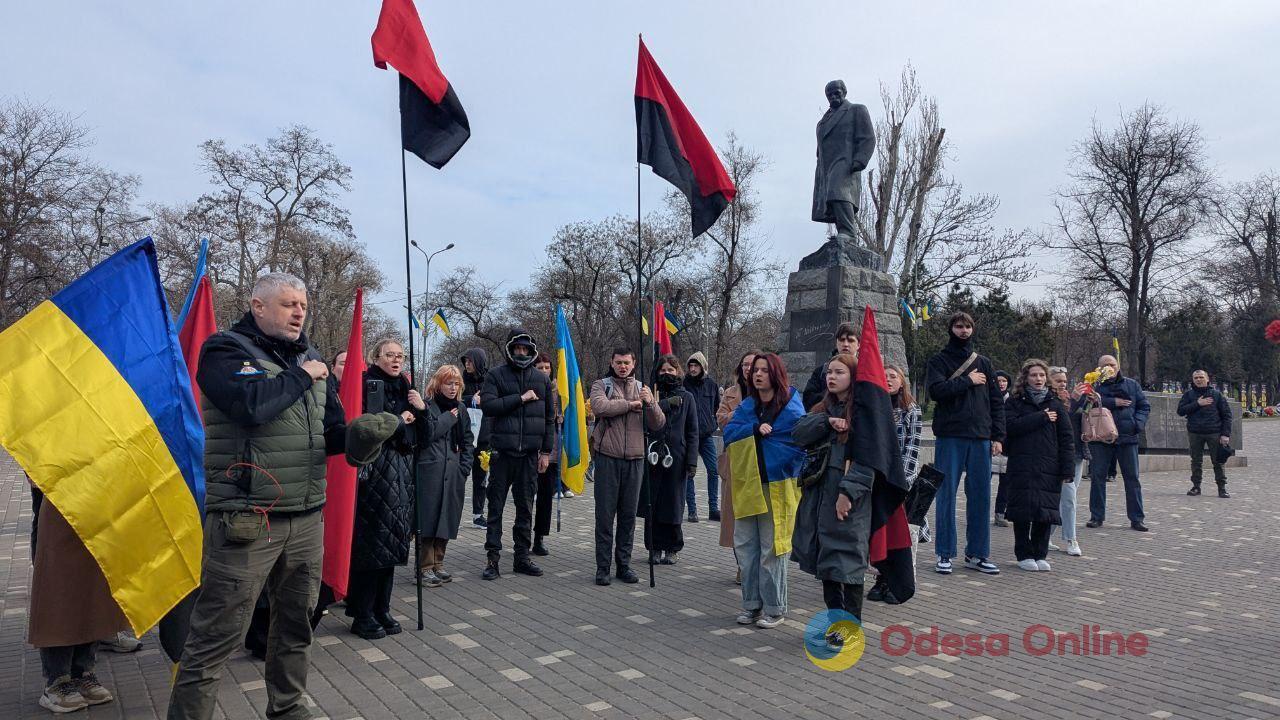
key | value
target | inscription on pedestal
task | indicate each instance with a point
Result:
(812, 331)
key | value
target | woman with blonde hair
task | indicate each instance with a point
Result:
(444, 467)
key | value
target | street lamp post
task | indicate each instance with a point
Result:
(426, 295)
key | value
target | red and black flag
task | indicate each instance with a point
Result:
(433, 124)
(670, 141)
(874, 442)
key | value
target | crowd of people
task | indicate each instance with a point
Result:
(272, 417)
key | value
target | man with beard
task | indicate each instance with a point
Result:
(516, 400)
(968, 423)
(623, 407)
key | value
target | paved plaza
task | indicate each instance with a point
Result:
(1201, 587)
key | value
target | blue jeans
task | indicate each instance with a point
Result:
(764, 574)
(707, 451)
(1067, 503)
(1102, 455)
(953, 456)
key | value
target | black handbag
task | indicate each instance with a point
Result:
(920, 496)
(815, 464)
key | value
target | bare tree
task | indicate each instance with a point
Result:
(41, 172)
(265, 193)
(1244, 223)
(919, 220)
(738, 257)
(1138, 192)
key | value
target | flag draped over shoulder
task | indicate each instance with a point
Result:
(340, 477)
(433, 124)
(574, 454)
(96, 406)
(873, 443)
(773, 458)
(669, 140)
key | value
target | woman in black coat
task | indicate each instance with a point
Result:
(1041, 457)
(380, 536)
(675, 448)
(444, 465)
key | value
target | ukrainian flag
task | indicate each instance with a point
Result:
(441, 321)
(750, 454)
(96, 405)
(574, 455)
(674, 326)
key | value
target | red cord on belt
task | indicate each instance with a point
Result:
(258, 508)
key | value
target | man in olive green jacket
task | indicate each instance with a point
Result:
(271, 417)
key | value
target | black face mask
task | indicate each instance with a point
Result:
(667, 381)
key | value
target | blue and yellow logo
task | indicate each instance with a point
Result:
(833, 640)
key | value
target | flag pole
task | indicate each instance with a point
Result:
(413, 379)
(644, 428)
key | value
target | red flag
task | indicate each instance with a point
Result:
(669, 140)
(661, 337)
(340, 504)
(198, 325)
(874, 444)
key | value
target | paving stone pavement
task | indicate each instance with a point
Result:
(1201, 586)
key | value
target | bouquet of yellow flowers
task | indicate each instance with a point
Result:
(1093, 377)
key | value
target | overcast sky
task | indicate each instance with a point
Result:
(548, 88)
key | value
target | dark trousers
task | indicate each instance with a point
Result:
(1200, 443)
(1031, 540)
(846, 216)
(514, 474)
(288, 564)
(479, 491)
(369, 593)
(843, 596)
(74, 660)
(548, 486)
(1002, 493)
(255, 641)
(1101, 457)
(617, 498)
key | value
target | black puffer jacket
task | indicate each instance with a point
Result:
(380, 537)
(518, 427)
(1041, 455)
(1214, 419)
(964, 410)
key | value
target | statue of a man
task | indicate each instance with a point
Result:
(846, 139)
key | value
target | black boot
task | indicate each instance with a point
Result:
(525, 566)
(388, 623)
(1195, 490)
(491, 571)
(368, 628)
(1222, 491)
(876, 594)
(538, 548)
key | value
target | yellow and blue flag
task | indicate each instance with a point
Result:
(574, 454)
(673, 324)
(441, 321)
(777, 491)
(96, 406)
(911, 314)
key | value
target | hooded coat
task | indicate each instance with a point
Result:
(444, 466)
(380, 536)
(964, 410)
(471, 383)
(706, 396)
(1041, 455)
(517, 427)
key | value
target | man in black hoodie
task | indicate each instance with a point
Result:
(475, 364)
(968, 424)
(706, 396)
(516, 400)
(1208, 425)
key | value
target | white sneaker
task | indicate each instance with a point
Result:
(1029, 565)
(943, 567)
(568, 493)
(768, 622)
(747, 617)
(1073, 549)
(1053, 546)
(1043, 565)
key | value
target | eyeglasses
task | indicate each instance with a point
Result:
(393, 356)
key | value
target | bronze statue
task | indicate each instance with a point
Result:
(846, 139)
